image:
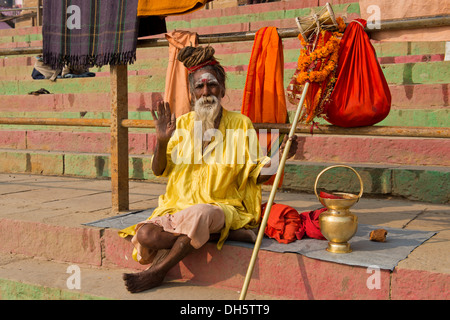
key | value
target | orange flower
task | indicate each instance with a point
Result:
(321, 53)
(341, 24)
(317, 66)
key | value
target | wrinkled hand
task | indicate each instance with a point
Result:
(292, 149)
(165, 122)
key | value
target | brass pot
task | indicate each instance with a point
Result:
(338, 225)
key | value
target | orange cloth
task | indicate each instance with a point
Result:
(177, 84)
(167, 8)
(264, 99)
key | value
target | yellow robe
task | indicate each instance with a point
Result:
(225, 175)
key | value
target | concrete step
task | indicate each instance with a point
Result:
(27, 278)
(20, 31)
(412, 105)
(420, 183)
(430, 73)
(362, 150)
(237, 55)
(404, 63)
(41, 235)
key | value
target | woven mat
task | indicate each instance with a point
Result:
(384, 255)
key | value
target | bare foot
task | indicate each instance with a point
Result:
(244, 235)
(141, 281)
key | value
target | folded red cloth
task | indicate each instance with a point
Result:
(283, 223)
(286, 225)
(310, 225)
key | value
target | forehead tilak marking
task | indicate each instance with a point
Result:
(207, 78)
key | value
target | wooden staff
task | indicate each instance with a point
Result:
(272, 195)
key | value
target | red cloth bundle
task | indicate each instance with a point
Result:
(286, 225)
(310, 225)
(283, 223)
(361, 95)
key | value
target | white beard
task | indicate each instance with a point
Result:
(206, 110)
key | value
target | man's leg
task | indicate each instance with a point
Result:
(154, 276)
(154, 237)
(193, 227)
(244, 235)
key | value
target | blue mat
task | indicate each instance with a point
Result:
(121, 221)
(384, 255)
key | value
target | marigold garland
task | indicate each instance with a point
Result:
(341, 24)
(317, 66)
(307, 59)
(307, 62)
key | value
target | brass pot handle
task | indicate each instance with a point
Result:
(336, 166)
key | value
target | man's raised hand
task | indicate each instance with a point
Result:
(165, 122)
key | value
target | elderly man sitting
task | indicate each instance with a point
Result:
(214, 176)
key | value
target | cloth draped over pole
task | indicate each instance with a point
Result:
(177, 84)
(264, 99)
(167, 8)
(87, 33)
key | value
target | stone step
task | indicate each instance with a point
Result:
(420, 183)
(427, 117)
(238, 54)
(348, 149)
(26, 31)
(27, 278)
(42, 235)
(21, 69)
(429, 73)
(229, 53)
(428, 97)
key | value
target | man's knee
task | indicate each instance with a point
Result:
(154, 237)
(148, 235)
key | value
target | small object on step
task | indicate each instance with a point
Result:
(38, 92)
(378, 235)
